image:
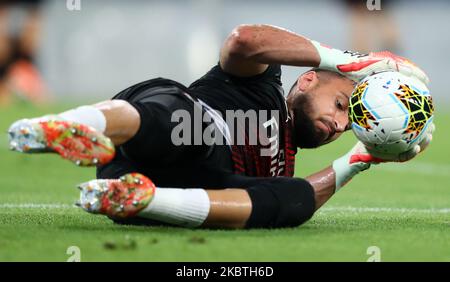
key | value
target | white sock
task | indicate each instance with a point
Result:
(182, 207)
(87, 115)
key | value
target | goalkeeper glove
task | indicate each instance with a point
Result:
(360, 158)
(357, 66)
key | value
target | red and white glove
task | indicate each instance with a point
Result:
(360, 158)
(357, 66)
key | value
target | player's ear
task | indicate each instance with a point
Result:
(307, 81)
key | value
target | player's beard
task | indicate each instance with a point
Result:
(305, 133)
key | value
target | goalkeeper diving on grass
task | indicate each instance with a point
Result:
(145, 175)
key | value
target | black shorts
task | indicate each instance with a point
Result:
(152, 152)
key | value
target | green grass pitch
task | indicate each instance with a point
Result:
(403, 209)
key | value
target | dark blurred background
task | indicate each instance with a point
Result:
(59, 50)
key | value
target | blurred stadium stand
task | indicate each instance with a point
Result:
(108, 45)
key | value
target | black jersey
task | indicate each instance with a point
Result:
(263, 92)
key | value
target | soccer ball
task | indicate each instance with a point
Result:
(390, 112)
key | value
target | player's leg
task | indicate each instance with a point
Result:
(267, 202)
(131, 120)
(85, 135)
(122, 120)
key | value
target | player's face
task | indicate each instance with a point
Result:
(320, 110)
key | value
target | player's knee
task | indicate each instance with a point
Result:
(116, 107)
(281, 202)
(122, 120)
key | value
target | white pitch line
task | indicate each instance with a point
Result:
(383, 209)
(35, 206)
(416, 168)
(410, 167)
(325, 209)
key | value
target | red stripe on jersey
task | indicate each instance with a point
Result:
(248, 160)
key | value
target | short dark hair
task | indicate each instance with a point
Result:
(317, 70)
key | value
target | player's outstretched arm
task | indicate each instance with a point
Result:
(324, 185)
(249, 49)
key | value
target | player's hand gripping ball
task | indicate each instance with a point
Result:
(392, 115)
